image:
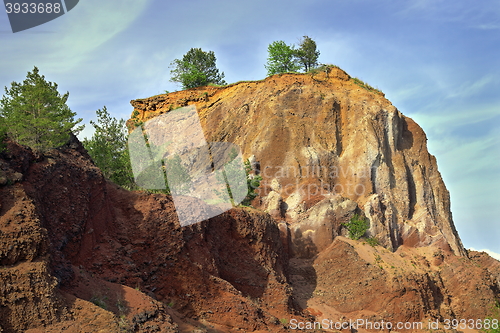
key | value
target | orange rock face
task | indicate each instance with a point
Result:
(322, 136)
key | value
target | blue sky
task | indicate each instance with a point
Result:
(438, 62)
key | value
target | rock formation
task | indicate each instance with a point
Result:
(80, 254)
(323, 135)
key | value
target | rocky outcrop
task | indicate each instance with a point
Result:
(327, 134)
(316, 229)
(353, 280)
(78, 251)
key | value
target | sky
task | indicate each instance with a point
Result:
(437, 61)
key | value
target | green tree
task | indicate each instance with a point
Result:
(281, 58)
(108, 148)
(3, 133)
(196, 68)
(36, 115)
(307, 54)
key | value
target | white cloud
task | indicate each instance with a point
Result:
(491, 253)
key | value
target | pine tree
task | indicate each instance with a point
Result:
(307, 53)
(35, 114)
(108, 148)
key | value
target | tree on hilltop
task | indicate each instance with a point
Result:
(196, 68)
(307, 54)
(35, 114)
(281, 58)
(285, 58)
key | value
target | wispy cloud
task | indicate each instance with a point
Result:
(471, 88)
(488, 26)
(475, 14)
(95, 27)
(448, 119)
(75, 35)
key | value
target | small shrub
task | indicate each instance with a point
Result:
(120, 304)
(365, 85)
(284, 321)
(253, 183)
(321, 68)
(100, 301)
(216, 85)
(124, 324)
(357, 226)
(492, 324)
(372, 241)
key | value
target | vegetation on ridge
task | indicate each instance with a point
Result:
(365, 85)
(285, 58)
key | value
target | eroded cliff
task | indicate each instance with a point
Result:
(321, 139)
